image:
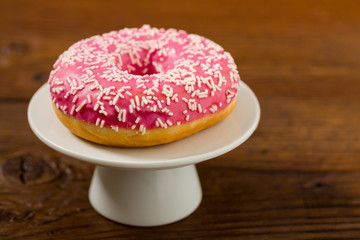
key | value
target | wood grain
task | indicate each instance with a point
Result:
(297, 177)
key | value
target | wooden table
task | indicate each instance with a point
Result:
(297, 177)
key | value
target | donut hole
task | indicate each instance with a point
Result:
(142, 71)
(147, 62)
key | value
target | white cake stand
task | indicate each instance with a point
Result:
(149, 186)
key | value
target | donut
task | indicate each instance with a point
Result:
(145, 86)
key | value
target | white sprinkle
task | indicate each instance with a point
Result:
(115, 99)
(160, 122)
(96, 106)
(187, 117)
(55, 70)
(120, 115)
(142, 129)
(137, 100)
(130, 68)
(131, 57)
(167, 91)
(115, 128)
(58, 89)
(75, 99)
(88, 98)
(120, 95)
(168, 122)
(137, 120)
(102, 111)
(93, 86)
(192, 105)
(174, 97)
(80, 106)
(89, 80)
(144, 101)
(199, 108)
(97, 122)
(124, 115)
(58, 82)
(72, 110)
(102, 123)
(132, 103)
(107, 92)
(140, 85)
(213, 108)
(184, 99)
(100, 95)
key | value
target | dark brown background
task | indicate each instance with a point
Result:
(297, 177)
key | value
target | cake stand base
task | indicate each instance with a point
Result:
(145, 197)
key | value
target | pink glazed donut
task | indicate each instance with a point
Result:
(143, 86)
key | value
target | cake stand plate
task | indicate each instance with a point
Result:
(148, 186)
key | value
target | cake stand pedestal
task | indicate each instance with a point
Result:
(145, 197)
(148, 186)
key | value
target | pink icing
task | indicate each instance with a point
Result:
(143, 78)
